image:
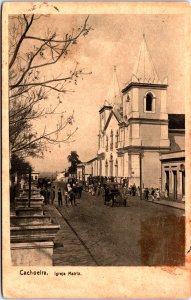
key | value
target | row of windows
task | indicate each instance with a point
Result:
(111, 160)
(109, 167)
(111, 145)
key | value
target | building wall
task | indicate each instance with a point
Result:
(126, 163)
(79, 173)
(150, 134)
(151, 169)
(88, 169)
(121, 166)
(110, 151)
(134, 169)
(94, 168)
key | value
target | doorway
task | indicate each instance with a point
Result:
(183, 184)
(167, 183)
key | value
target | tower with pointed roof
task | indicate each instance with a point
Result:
(146, 118)
(138, 139)
(110, 117)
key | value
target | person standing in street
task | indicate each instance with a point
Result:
(166, 190)
(60, 197)
(153, 194)
(65, 193)
(80, 189)
(73, 195)
(157, 194)
(146, 192)
(106, 194)
(138, 191)
(69, 190)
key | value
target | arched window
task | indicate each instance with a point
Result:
(111, 165)
(107, 142)
(111, 144)
(117, 139)
(149, 102)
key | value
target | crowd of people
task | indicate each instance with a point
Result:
(69, 191)
(152, 193)
(96, 186)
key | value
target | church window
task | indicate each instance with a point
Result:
(111, 144)
(149, 100)
(149, 103)
(107, 142)
(117, 139)
(111, 165)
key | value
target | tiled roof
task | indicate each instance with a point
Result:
(118, 115)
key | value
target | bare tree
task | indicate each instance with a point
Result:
(30, 56)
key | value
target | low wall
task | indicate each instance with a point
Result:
(32, 254)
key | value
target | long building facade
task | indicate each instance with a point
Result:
(136, 133)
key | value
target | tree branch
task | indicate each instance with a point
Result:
(61, 41)
(20, 41)
(42, 83)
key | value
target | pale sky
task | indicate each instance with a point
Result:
(115, 40)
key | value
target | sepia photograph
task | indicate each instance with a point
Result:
(96, 140)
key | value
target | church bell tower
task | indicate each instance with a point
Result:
(145, 112)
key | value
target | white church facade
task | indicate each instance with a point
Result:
(134, 134)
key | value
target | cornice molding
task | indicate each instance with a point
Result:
(147, 85)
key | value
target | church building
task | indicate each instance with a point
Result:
(137, 137)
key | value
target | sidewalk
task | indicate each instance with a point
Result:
(68, 249)
(179, 205)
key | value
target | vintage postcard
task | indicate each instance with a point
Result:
(96, 150)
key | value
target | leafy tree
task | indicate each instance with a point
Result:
(73, 158)
(19, 165)
(31, 55)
